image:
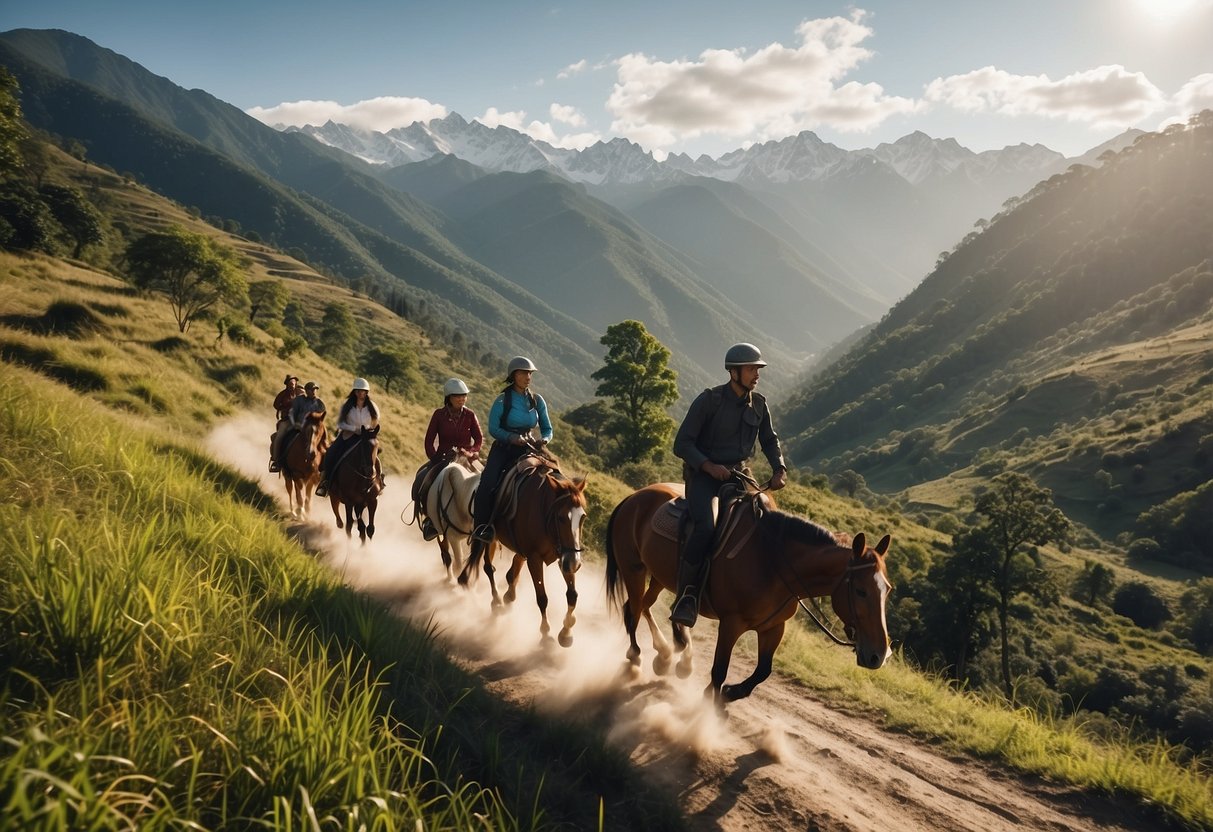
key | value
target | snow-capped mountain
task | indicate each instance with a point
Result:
(804, 157)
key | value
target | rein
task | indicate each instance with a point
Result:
(854, 564)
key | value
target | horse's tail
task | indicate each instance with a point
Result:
(614, 587)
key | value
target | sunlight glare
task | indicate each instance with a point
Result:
(1165, 11)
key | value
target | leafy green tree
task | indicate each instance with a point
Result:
(957, 610)
(1196, 607)
(1094, 583)
(1138, 602)
(193, 271)
(26, 223)
(1017, 512)
(292, 318)
(79, 218)
(390, 364)
(268, 300)
(850, 482)
(638, 380)
(12, 127)
(338, 331)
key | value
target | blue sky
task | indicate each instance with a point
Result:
(702, 77)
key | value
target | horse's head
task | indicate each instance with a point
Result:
(312, 431)
(567, 515)
(859, 601)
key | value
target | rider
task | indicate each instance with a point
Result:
(453, 429)
(717, 435)
(309, 402)
(358, 412)
(514, 414)
(282, 407)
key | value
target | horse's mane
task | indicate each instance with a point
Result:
(779, 526)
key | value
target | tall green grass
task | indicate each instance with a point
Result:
(171, 660)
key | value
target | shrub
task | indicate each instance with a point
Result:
(1139, 603)
(1144, 548)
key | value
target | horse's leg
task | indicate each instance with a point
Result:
(730, 630)
(511, 578)
(768, 640)
(535, 564)
(349, 519)
(565, 637)
(336, 505)
(444, 547)
(490, 549)
(361, 523)
(371, 507)
(661, 662)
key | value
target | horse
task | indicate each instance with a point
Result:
(356, 484)
(771, 560)
(301, 465)
(545, 525)
(449, 505)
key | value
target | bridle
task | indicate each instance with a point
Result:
(854, 564)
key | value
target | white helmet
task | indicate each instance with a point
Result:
(361, 384)
(454, 387)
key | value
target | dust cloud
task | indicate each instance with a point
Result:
(589, 680)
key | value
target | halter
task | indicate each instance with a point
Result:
(854, 564)
(551, 520)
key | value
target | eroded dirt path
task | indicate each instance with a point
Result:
(781, 759)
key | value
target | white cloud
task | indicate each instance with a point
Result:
(566, 114)
(1104, 96)
(735, 94)
(1196, 95)
(382, 114)
(541, 130)
(572, 69)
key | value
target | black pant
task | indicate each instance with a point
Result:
(700, 489)
(502, 456)
(334, 453)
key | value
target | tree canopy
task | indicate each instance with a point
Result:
(638, 380)
(193, 271)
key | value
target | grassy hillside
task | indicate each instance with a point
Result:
(1069, 339)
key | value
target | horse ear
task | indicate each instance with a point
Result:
(581, 483)
(883, 545)
(859, 545)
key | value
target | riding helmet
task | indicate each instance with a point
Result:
(743, 355)
(454, 387)
(361, 384)
(518, 362)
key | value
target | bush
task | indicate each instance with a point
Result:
(1144, 548)
(1139, 603)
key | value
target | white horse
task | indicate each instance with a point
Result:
(449, 506)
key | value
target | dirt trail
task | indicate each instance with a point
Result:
(781, 759)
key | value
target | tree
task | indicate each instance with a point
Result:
(1094, 584)
(12, 128)
(641, 385)
(268, 299)
(79, 218)
(958, 617)
(337, 331)
(1017, 512)
(850, 483)
(292, 318)
(1196, 607)
(193, 271)
(390, 364)
(1138, 602)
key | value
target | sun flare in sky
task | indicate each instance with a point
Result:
(1166, 11)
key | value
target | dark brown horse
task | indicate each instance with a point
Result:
(770, 561)
(544, 526)
(356, 484)
(301, 465)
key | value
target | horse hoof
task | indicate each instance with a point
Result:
(566, 639)
(370, 531)
(661, 665)
(498, 607)
(683, 670)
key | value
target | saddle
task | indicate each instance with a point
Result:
(511, 483)
(672, 520)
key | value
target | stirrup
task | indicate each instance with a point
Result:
(483, 533)
(274, 467)
(427, 529)
(322, 490)
(686, 608)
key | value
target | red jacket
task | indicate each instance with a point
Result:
(446, 432)
(282, 402)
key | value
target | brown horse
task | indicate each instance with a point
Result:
(545, 525)
(770, 561)
(356, 484)
(301, 468)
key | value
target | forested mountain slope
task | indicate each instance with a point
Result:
(1071, 338)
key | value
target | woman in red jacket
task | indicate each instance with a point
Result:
(453, 430)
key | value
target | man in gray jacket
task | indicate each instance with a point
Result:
(716, 436)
